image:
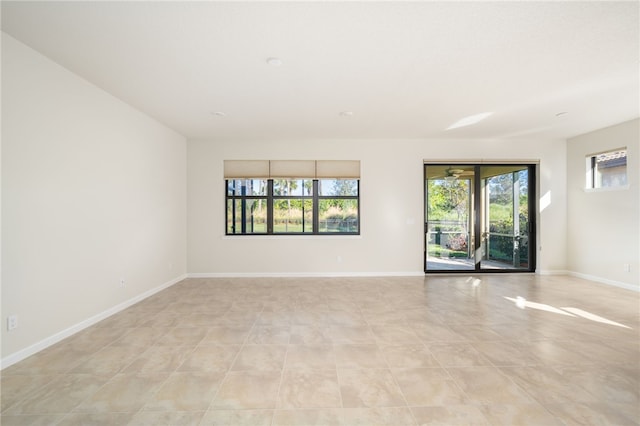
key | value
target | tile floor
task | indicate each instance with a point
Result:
(346, 351)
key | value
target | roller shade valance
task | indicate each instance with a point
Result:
(312, 169)
(238, 169)
(292, 169)
(344, 169)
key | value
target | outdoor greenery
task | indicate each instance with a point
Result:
(293, 206)
(448, 216)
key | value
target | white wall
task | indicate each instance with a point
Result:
(392, 211)
(603, 226)
(92, 191)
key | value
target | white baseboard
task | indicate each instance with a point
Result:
(601, 280)
(301, 274)
(51, 340)
(552, 272)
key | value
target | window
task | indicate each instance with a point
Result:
(292, 197)
(607, 169)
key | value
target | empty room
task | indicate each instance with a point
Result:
(320, 213)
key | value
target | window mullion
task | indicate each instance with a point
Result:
(270, 206)
(316, 208)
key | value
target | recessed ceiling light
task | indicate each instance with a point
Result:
(218, 114)
(560, 114)
(346, 113)
(274, 62)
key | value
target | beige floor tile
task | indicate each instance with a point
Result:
(351, 335)
(378, 416)
(546, 385)
(16, 388)
(307, 417)
(550, 352)
(595, 414)
(124, 393)
(429, 387)
(96, 419)
(191, 391)
(260, 358)
(519, 414)
(109, 360)
(359, 356)
(310, 357)
(310, 317)
(409, 356)
(505, 353)
(457, 355)
(392, 334)
(140, 337)
(309, 389)
(470, 415)
(269, 335)
(169, 418)
(61, 395)
(435, 332)
(309, 335)
(55, 360)
(233, 350)
(369, 388)
(475, 332)
(210, 358)
(608, 384)
(183, 336)
(237, 418)
(486, 385)
(159, 359)
(248, 390)
(32, 420)
(226, 335)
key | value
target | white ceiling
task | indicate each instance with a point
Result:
(405, 69)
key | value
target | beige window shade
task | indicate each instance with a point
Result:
(321, 169)
(346, 169)
(293, 169)
(237, 169)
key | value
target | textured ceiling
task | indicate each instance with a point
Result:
(405, 70)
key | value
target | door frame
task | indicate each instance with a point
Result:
(476, 213)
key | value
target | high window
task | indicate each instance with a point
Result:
(607, 169)
(292, 197)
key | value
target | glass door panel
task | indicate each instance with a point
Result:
(479, 218)
(449, 219)
(505, 219)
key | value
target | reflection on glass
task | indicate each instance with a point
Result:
(247, 216)
(448, 220)
(506, 236)
(338, 215)
(249, 187)
(338, 187)
(292, 215)
(292, 187)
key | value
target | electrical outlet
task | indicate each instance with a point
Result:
(12, 322)
(626, 267)
(121, 282)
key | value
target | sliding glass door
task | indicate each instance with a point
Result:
(479, 217)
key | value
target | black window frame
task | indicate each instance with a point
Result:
(270, 200)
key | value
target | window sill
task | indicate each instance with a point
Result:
(291, 237)
(608, 189)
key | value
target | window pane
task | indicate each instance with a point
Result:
(338, 215)
(250, 213)
(610, 169)
(293, 187)
(250, 187)
(338, 187)
(292, 215)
